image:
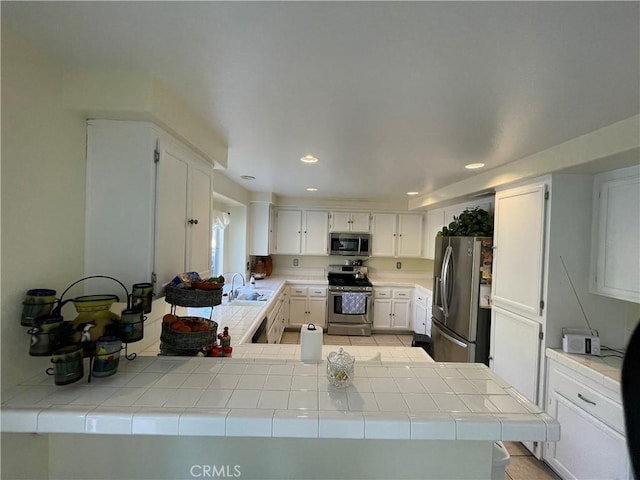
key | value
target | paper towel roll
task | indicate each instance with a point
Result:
(310, 343)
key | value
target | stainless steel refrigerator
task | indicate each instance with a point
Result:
(461, 310)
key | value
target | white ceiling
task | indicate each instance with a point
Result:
(391, 97)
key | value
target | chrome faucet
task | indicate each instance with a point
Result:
(233, 293)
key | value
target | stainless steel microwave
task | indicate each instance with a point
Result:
(354, 244)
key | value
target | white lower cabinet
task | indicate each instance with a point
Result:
(307, 304)
(422, 312)
(592, 443)
(392, 308)
(277, 319)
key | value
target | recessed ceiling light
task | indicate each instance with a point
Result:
(247, 177)
(413, 193)
(473, 166)
(309, 159)
(312, 189)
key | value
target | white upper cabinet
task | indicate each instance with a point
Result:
(615, 259)
(518, 242)
(315, 235)
(301, 232)
(288, 231)
(383, 239)
(396, 235)
(199, 218)
(261, 220)
(154, 195)
(409, 235)
(356, 222)
(434, 221)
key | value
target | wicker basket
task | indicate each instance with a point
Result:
(189, 343)
(207, 285)
(185, 297)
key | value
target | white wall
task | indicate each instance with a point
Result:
(43, 193)
(570, 227)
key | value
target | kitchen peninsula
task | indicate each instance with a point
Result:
(265, 414)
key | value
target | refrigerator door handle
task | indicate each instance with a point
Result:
(453, 340)
(437, 298)
(445, 280)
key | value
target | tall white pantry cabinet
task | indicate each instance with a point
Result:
(538, 224)
(149, 210)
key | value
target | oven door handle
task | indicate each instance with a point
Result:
(339, 293)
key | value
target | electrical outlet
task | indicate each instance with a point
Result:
(398, 265)
(295, 262)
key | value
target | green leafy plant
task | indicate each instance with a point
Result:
(473, 222)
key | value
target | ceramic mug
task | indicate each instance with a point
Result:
(142, 294)
(132, 325)
(43, 335)
(107, 356)
(37, 302)
(68, 366)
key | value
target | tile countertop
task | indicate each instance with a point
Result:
(266, 391)
(391, 279)
(243, 321)
(604, 371)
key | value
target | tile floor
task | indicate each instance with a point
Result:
(522, 466)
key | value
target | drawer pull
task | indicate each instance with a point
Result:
(584, 399)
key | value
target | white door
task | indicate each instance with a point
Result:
(409, 235)
(288, 231)
(199, 222)
(515, 351)
(171, 217)
(316, 237)
(518, 242)
(360, 222)
(383, 239)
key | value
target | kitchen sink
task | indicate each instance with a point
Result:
(252, 297)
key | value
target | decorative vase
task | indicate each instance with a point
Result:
(94, 317)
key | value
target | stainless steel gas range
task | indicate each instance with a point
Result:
(350, 293)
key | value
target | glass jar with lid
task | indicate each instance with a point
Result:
(340, 368)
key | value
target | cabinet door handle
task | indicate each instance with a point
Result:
(584, 399)
(193, 221)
